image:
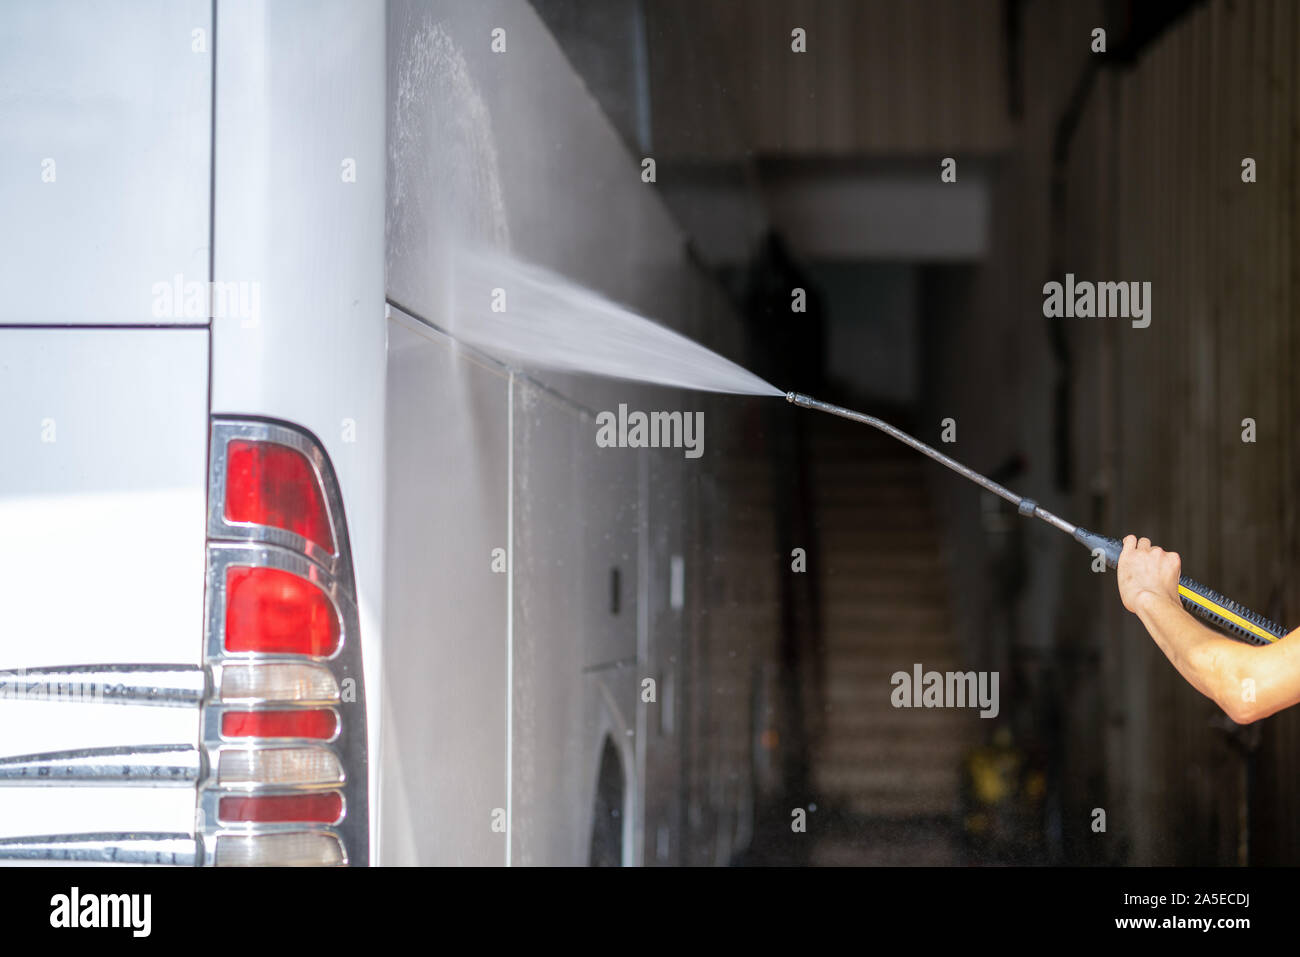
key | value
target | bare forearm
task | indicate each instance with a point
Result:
(1212, 664)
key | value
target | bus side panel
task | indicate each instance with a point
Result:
(510, 151)
(444, 775)
(576, 603)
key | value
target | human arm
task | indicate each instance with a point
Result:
(1248, 682)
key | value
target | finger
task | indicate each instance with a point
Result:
(1144, 544)
(1130, 541)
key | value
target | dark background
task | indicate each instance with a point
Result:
(821, 170)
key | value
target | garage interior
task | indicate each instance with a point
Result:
(821, 170)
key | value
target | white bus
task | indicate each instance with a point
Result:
(289, 575)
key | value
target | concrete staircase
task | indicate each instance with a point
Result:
(890, 777)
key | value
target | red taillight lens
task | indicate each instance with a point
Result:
(272, 484)
(278, 612)
(279, 724)
(280, 808)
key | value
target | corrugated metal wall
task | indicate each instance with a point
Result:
(1221, 257)
(1154, 193)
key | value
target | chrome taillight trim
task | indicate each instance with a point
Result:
(222, 529)
(234, 544)
(219, 829)
(223, 556)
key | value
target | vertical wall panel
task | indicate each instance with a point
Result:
(878, 76)
(1154, 193)
(1220, 254)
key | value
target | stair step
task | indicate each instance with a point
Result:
(896, 590)
(883, 583)
(901, 808)
(884, 643)
(842, 485)
(890, 646)
(869, 487)
(878, 749)
(864, 850)
(876, 532)
(914, 560)
(867, 665)
(864, 780)
(844, 719)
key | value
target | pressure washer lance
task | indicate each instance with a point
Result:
(1223, 613)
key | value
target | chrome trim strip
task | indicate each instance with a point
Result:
(180, 850)
(173, 686)
(152, 765)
